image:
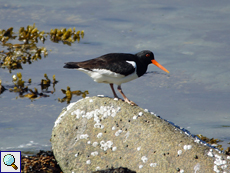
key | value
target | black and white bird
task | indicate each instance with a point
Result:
(117, 68)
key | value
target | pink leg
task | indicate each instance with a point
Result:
(125, 98)
(114, 93)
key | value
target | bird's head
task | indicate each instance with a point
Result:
(149, 56)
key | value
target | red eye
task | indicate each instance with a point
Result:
(147, 55)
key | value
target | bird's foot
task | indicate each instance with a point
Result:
(130, 102)
(127, 101)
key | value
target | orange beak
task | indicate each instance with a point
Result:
(160, 66)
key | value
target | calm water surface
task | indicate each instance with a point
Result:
(191, 40)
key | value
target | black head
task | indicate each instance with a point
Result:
(145, 55)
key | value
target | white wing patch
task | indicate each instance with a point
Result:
(132, 63)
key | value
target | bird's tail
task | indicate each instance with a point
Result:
(71, 65)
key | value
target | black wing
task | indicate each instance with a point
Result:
(120, 63)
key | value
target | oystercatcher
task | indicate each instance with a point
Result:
(117, 68)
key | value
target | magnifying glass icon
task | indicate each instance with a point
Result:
(9, 160)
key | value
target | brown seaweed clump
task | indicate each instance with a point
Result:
(212, 141)
(26, 51)
(68, 94)
(2, 88)
(66, 36)
(26, 92)
(42, 162)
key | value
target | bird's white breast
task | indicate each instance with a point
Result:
(107, 76)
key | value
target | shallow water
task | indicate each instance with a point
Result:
(190, 39)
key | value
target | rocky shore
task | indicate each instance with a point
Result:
(45, 162)
(98, 133)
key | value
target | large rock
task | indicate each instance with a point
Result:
(99, 133)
